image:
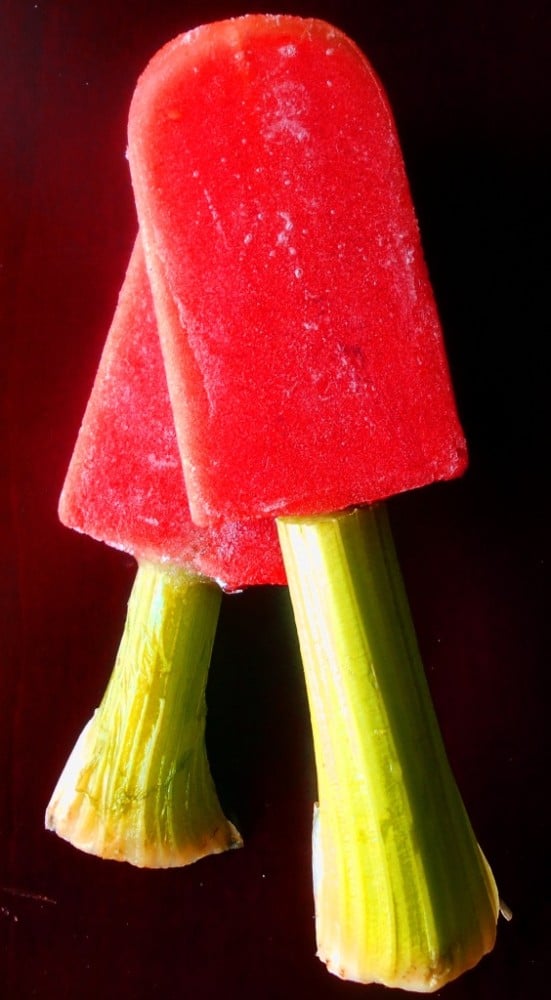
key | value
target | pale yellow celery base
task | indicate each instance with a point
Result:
(403, 895)
(137, 785)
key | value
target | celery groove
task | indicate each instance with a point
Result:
(403, 894)
(137, 786)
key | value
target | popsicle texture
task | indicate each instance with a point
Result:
(124, 485)
(301, 339)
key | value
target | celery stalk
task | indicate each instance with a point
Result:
(137, 785)
(403, 893)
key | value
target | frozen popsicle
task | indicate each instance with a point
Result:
(311, 374)
(308, 375)
(137, 785)
(124, 484)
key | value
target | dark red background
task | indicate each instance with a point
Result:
(469, 82)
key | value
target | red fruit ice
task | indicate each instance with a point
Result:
(302, 342)
(124, 484)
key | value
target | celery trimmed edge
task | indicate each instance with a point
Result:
(137, 786)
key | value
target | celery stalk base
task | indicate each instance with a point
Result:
(403, 894)
(137, 786)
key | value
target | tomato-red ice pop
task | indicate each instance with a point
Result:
(311, 374)
(125, 486)
(308, 374)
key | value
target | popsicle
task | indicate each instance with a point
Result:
(309, 382)
(137, 786)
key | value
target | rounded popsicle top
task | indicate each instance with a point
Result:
(301, 339)
(125, 486)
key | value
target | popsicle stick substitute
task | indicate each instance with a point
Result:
(137, 786)
(403, 893)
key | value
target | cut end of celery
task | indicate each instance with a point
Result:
(415, 961)
(137, 786)
(118, 834)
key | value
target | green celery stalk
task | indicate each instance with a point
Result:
(137, 785)
(403, 893)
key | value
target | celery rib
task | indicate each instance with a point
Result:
(403, 894)
(137, 786)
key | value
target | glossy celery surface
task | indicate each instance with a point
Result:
(137, 786)
(403, 894)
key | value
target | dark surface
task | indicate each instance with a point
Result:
(470, 87)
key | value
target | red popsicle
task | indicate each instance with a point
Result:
(125, 486)
(311, 374)
(307, 375)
